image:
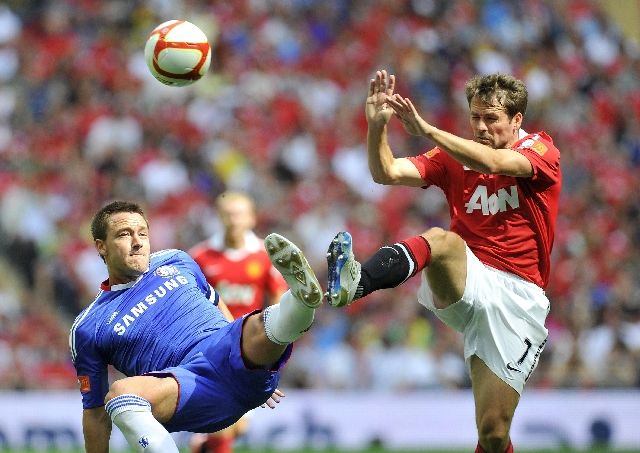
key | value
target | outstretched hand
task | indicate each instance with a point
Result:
(274, 399)
(407, 114)
(380, 89)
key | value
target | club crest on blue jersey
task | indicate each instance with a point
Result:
(144, 442)
(167, 271)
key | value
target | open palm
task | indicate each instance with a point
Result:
(380, 89)
(407, 114)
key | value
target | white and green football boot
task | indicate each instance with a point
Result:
(294, 267)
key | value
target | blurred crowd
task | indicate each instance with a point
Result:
(280, 115)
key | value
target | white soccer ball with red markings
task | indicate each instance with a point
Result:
(177, 53)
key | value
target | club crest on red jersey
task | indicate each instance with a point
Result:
(535, 145)
(432, 152)
(254, 269)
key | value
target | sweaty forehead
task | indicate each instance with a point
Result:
(122, 220)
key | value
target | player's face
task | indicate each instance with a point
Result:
(491, 125)
(126, 249)
(237, 216)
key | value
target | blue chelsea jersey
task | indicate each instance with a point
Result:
(146, 325)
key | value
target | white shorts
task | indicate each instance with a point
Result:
(501, 317)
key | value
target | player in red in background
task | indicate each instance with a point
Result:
(236, 264)
(485, 277)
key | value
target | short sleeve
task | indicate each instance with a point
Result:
(201, 280)
(90, 368)
(543, 155)
(432, 167)
(213, 296)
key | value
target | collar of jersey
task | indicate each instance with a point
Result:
(251, 240)
(121, 286)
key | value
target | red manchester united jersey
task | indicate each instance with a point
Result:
(507, 222)
(243, 277)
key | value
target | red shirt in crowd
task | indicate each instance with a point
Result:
(244, 278)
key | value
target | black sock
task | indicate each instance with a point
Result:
(387, 268)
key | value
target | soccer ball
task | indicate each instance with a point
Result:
(177, 53)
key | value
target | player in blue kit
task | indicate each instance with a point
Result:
(158, 321)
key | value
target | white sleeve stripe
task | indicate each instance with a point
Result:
(214, 297)
(412, 265)
(74, 326)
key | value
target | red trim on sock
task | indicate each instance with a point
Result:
(420, 250)
(509, 449)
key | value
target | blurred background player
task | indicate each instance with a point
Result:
(236, 264)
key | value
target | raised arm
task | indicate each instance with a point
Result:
(384, 167)
(96, 427)
(473, 154)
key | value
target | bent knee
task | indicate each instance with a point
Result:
(117, 388)
(161, 392)
(253, 325)
(444, 244)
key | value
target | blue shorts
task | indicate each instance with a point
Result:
(215, 386)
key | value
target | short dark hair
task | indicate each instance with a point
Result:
(99, 222)
(509, 92)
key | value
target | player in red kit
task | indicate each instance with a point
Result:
(236, 264)
(485, 276)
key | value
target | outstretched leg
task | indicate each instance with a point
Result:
(389, 267)
(265, 335)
